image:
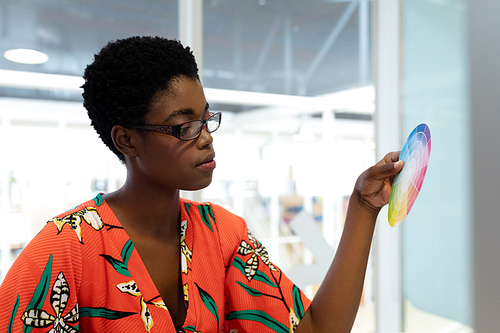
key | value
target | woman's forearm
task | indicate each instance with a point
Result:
(336, 302)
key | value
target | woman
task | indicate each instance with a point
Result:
(144, 259)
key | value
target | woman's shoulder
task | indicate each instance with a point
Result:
(66, 226)
(221, 214)
(94, 202)
(57, 245)
(230, 228)
(87, 214)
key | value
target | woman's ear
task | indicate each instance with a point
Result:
(124, 140)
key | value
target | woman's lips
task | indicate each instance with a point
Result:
(208, 163)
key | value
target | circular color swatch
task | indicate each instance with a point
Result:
(408, 182)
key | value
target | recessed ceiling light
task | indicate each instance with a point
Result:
(26, 56)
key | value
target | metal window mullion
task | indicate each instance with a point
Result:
(191, 28)
(388, 258)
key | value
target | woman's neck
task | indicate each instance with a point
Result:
(146, 211)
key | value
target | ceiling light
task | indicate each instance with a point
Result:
(26, 56)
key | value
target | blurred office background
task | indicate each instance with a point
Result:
(312, 93)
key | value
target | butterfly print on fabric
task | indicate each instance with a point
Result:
(74, 220)
(257, 251)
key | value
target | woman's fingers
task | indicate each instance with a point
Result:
(388, 166)
(390, 157)
(374, 185)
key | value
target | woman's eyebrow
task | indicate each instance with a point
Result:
(180, 112)
(183, 112)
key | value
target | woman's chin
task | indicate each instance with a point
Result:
(197, 187)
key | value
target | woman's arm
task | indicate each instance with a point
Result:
(336, 303)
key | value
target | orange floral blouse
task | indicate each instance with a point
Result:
(82, 273)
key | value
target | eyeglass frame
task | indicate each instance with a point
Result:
(175, 130)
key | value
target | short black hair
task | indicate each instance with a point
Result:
(124, 77)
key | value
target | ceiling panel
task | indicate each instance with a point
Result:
(276, 46)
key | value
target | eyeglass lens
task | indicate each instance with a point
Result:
(193, 128)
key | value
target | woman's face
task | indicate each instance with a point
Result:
(166, 161)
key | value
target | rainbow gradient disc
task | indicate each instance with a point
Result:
(407, 184)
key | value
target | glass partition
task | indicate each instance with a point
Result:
(298, 141)
(437, 233)
(294, 154)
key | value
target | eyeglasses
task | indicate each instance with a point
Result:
(186, 131)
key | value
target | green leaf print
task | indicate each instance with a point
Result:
(127, 251)
(259, 276)
(98, 200)
(13, 315)
(103, 313)
(187, 206)
(206, 212)
(121, 266)
(40, 291)
(118, 265)
(249, 290)
(260, 317)
(190, 328)
(297, 302)
(209, 303)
